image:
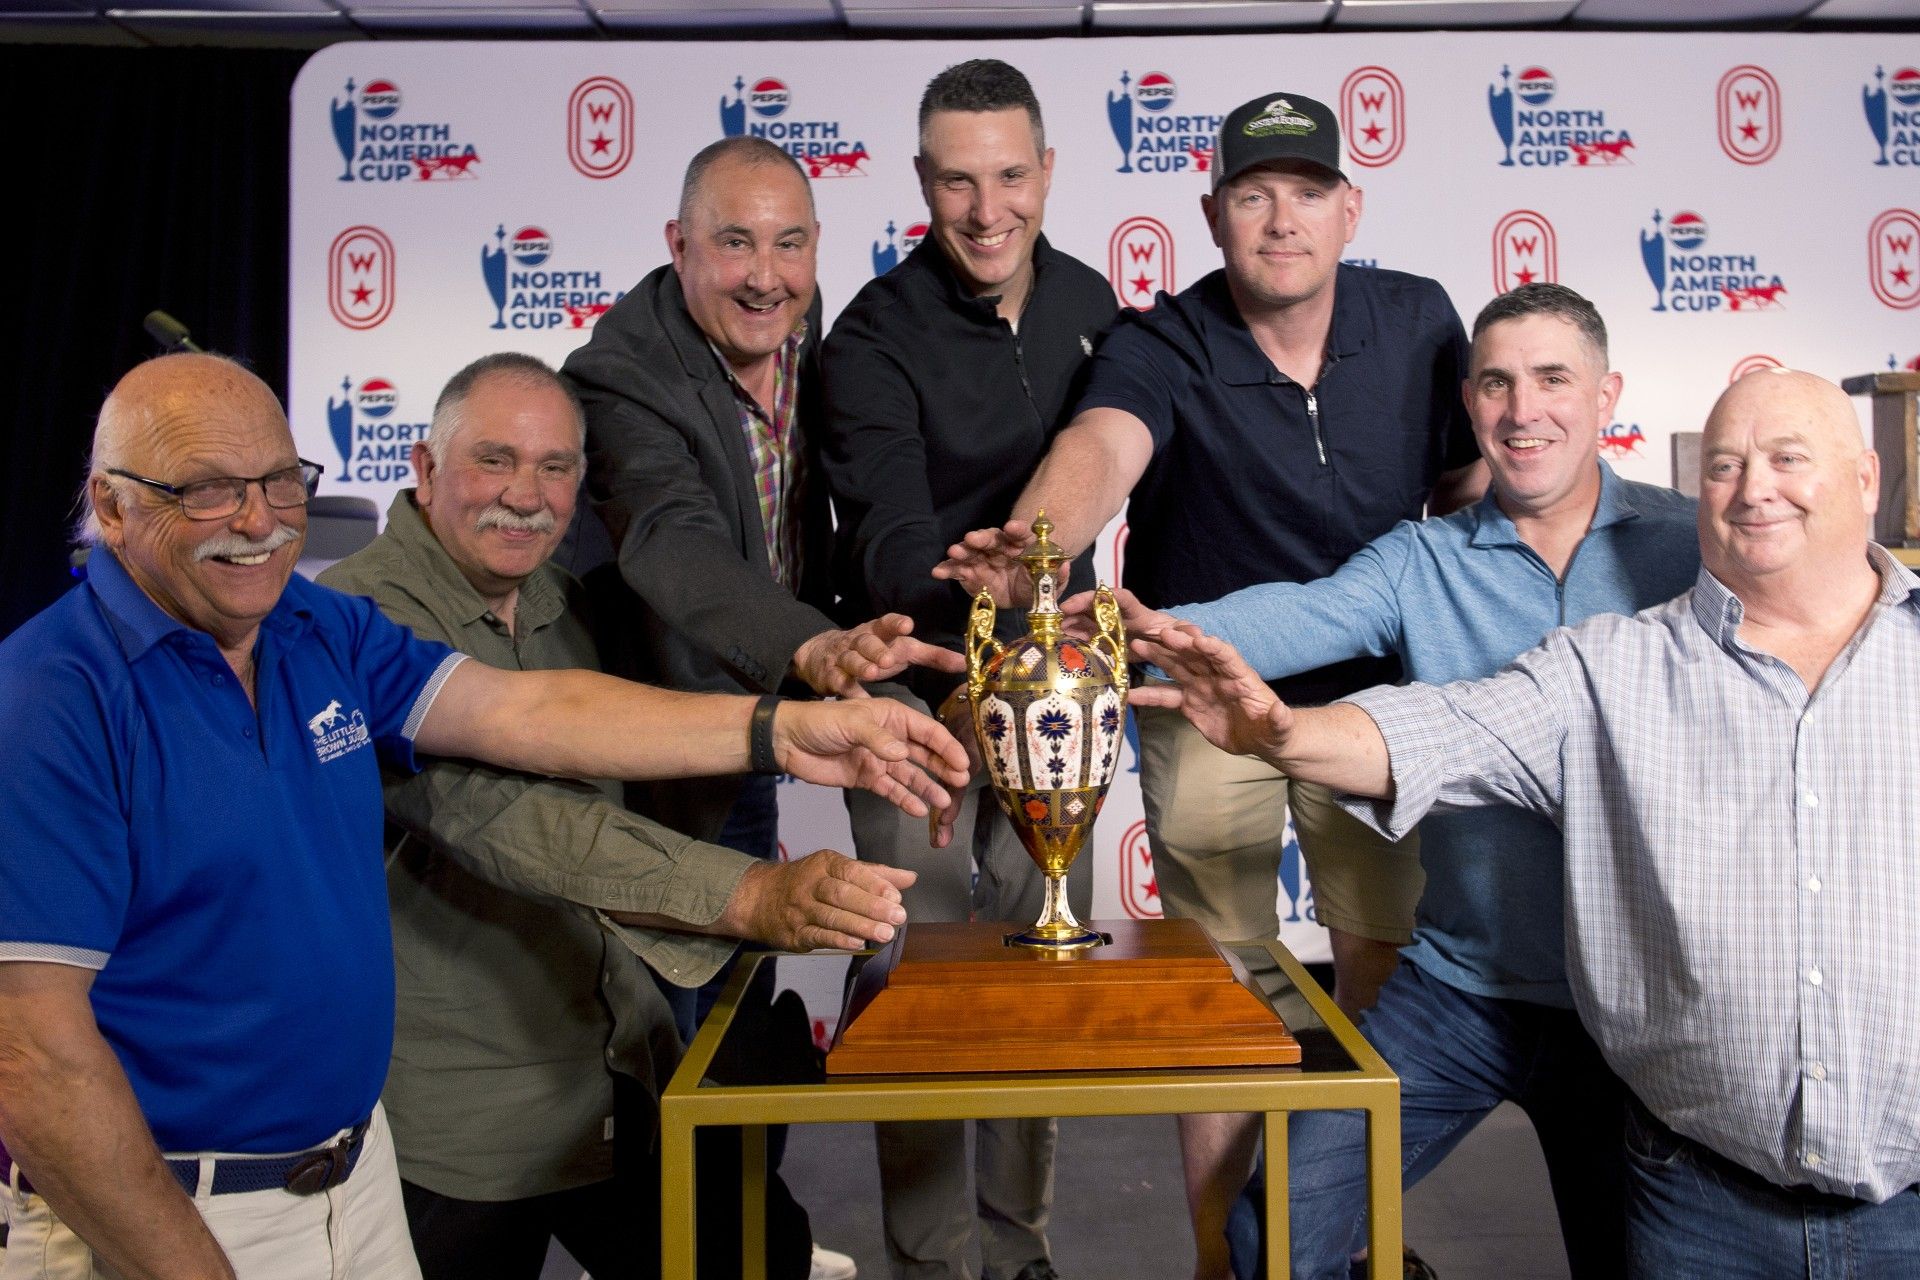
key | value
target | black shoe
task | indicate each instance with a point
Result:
(1413, 1267)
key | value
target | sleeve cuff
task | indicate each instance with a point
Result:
(1404, 716)
(48, 953)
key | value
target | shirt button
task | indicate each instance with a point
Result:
(1813, 801)
(1813, 976)
(1813, 1160)
(218, 678)
(607, 976)
(247, 733)
(1813, 884)
(1817, 1070)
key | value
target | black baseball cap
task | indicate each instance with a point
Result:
(1276, 126)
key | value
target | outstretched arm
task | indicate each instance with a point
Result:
(1337, 746)
(840, 662)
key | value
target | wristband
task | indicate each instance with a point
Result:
(760, 757)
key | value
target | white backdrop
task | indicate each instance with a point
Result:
(1724, 199)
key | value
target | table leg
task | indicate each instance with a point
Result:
(753, 1202)
(1279, 1226)
(1383, 1185)
(676, 1200)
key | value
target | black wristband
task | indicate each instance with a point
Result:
(760, 757)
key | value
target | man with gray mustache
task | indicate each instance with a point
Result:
(530, 1043)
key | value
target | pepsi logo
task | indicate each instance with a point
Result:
(910, 238)
(1154, 91)
(376, 398)
(1747, 112)
(1893, 258)
(1535, 86)
(1904, 86)
(600, 127)
(1525, 251)
(1688, 230)
(1373, 116)
(379, 99)
(1752, 364)
(531, 246)
(768, 98)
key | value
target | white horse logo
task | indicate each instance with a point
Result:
(326, 719)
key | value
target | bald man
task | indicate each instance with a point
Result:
(194, 948)
(1732, 772)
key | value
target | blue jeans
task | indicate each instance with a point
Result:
(1458, 1056)
(1693, 1214)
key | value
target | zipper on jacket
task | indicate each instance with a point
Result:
(1020, 367)
(1313, 416)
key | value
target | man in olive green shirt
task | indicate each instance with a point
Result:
(530, 1044)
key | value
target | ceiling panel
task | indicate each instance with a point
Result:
(1121, 15)
(1450, 13)
(1866, 10)
(967, 19)
(1692, 13)
(525, 18)
(298, 29)
(694, 9)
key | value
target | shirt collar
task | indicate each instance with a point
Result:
(1494, 527)
(985, 307)
(786, 356)
(440, 579)
(139, 623)
(1720, 613)
(1238, 360)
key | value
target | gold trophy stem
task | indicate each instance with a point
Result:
(1057, 930)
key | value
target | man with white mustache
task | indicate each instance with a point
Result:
(196, 970)
(945, 380)
(1481, 1012)
(530, 1042)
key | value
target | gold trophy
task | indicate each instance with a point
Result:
(1050, 714)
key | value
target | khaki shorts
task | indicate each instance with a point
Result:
(1217, 826)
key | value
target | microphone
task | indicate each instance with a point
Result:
(170, 333)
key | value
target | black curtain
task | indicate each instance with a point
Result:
(142, 179)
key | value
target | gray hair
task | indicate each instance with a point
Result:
(510, 367)
(984, 84)
(745, 149)
(1543, 299)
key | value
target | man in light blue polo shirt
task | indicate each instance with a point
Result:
(1481, 1013)
(194, 951)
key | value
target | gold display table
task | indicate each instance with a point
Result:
(1337, 1071)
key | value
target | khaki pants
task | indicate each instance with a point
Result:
(925, 1207)
(356, 1231)
(1216, 824)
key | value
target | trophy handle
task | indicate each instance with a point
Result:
(981, 646)
(1111, 639)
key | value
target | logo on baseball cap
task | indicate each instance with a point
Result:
(1276, 126)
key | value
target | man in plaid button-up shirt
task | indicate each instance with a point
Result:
(1730, 771)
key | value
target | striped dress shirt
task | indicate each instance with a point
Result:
(1742, 865)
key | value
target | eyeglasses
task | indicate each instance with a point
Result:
(221, 496)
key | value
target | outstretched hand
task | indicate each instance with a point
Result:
(822, 900)
(1215, 689)
(839, 662)
(989, 560)
(1135, 618)
(882, 746)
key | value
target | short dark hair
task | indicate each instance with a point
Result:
(1543, 299)
(511, 367)
(747, 150)
(984, 84)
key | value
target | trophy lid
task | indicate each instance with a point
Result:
(1044, 556)
(1043, 560)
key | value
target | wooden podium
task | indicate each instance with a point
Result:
(1896, 438)
(956, 997)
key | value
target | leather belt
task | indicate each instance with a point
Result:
(304, 1173)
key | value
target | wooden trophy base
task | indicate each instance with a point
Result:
(956, 997)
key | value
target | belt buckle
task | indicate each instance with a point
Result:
(319, 1171)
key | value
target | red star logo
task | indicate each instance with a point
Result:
(1142, 283)
(600, 143)
(1524, 275)
(1903, 275)
(1152, 888)
(1373, 132)
(1750, 131)
(361, 295)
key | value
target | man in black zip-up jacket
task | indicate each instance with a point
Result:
(945, 381)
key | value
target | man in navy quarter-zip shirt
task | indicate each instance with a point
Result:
(1263, 425)
(945, 379)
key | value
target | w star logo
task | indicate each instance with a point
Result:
(1893, 259)
(1525, 251)
(1373, 116)
(1139, 893)
(1747, 110)
(1140, 262)
(600, 127)
(360, 277)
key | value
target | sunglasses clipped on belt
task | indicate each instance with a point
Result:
(305, 1173)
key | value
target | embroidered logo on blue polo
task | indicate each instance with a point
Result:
(336, 732)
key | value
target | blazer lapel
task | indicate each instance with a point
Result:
(721, 423)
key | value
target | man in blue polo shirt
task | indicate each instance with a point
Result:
(1266, 422)
(192, 908)
(1481, 1013)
